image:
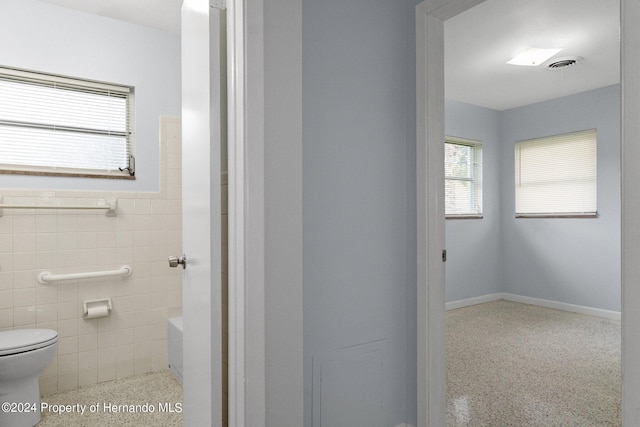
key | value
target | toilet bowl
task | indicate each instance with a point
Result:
(24, 353)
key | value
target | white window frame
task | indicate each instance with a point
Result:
(125, 171)
(475, 179)
(562, 186)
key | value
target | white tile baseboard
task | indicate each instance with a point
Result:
(607, 314)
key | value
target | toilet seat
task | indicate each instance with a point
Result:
(21, 340)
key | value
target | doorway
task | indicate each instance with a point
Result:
(430, 18)
(561, 262)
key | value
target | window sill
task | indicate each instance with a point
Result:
(573, 215)
(67, 174)
(464, 216)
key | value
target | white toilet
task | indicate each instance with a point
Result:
(24, 353)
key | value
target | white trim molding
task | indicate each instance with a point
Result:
(581, 309)
(452, 305)
(431, 382)
(430, 216)
(630, 155)
(245, 108)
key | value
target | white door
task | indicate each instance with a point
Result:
(203, 127)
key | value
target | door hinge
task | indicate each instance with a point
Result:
(444, 255)
(218, 4)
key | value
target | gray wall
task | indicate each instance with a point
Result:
(63, 41)
(575, 261)
(358, 212)
(283, 212)
(473, 245)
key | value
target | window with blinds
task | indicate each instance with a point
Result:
(53, 125)
(463, 178)
(556, 175)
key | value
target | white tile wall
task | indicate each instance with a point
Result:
(147, 229)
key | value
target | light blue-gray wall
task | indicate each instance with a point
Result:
(283, 208)
(42, 37)
(473, 245)
(575, 261)
(359, 212)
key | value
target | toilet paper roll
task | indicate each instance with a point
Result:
(95, 311)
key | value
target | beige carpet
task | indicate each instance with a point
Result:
(511, 364)
(125, 402)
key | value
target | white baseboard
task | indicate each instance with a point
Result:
(472, 301)
(607, 314)
(598, 312)
(404, 425)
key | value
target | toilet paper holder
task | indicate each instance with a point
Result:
(95, 308)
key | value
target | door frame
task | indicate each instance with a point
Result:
(431, 392)
(245, 138)
(246, 296)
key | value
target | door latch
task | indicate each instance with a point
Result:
(174, 261)
(444, 255)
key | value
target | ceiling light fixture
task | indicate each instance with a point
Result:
(533, 56)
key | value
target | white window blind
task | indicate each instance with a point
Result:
(463, 178)
(557, 175)
(53, 124)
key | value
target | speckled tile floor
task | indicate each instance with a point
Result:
(105, 403)
(511, 364)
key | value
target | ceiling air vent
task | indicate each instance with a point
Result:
(562, 63)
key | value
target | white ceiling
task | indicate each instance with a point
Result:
(160, 14)
(479, 42)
